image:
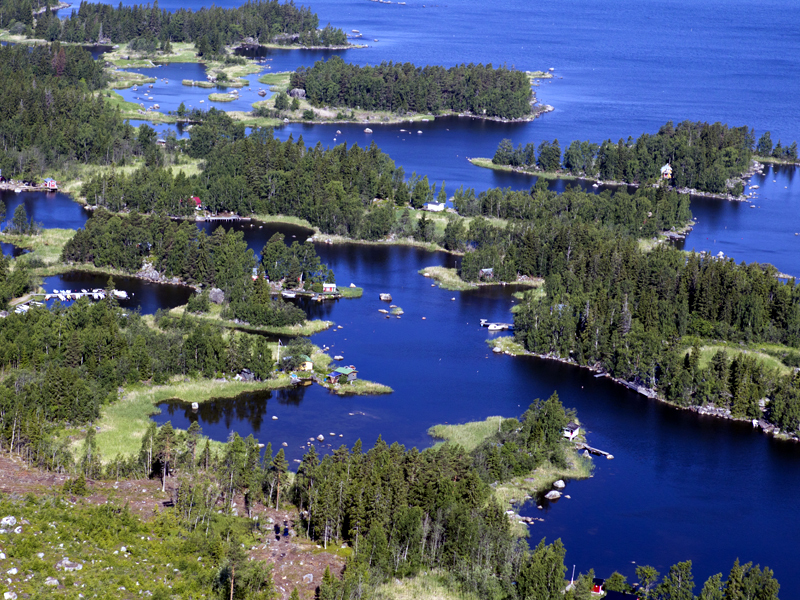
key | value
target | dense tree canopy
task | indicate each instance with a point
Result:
(478, 89)
(49, 115)
(263, 20)
(702, 156)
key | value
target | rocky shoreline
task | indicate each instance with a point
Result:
(707, 410)
(755, 167)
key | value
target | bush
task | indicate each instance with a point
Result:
(308, 115)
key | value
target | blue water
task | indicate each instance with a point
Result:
(168, 90)
(49, 209)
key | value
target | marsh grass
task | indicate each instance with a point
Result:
(280, 78)
(350, 292)
(46, 246)
(222, 97)
(467, 435)
(124, 422)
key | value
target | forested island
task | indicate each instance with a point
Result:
(480, 90)
(701, 156)
(210, 29)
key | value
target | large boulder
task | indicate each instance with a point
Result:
(297, 93)
(216, 295)
(559, 485)
(553, 495)
(8, 521)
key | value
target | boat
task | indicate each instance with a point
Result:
(367, 130)
(121, 294)
(288, 294)
(495, 327)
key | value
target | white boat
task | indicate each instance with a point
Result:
(288, 294)
(121, 294)
(496, 327)
(17, 190)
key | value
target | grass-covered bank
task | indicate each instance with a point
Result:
(214, 315)
(359, 387)
(122, 424)
(517, 489)
(487, 163)
(467, 435)
(449, 279)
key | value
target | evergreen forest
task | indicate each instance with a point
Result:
(400, 88)
(267, 21)
(706, 157)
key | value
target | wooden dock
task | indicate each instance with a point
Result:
(596, 451)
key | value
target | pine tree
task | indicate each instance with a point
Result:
(279, 469)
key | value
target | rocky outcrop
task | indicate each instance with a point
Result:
(553, 495)
(216, 295)
(297, 93)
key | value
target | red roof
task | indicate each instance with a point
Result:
(196, 200)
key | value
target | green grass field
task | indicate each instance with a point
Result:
(468, 435)
(763, 353)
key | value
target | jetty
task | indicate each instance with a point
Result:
(596, 451)
(497, 326)
(223, 218)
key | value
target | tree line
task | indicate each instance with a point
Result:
(477, 89)
(49, 115)
(222, 260)
(610, 305)
(267, 21)
(702, 156)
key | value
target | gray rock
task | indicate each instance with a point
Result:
(559, 485)
(123, 549)
(308, 578)
(68, 565)
(320, 438)
(553, 495)
(12, 571)
(10, 596)
(8, 521)
(18, 529)
(297, 93)
(52, 581)
(216, 295)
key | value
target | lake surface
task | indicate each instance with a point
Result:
(168, 90)
(52, 210)
(681, 486)
(143, 296)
